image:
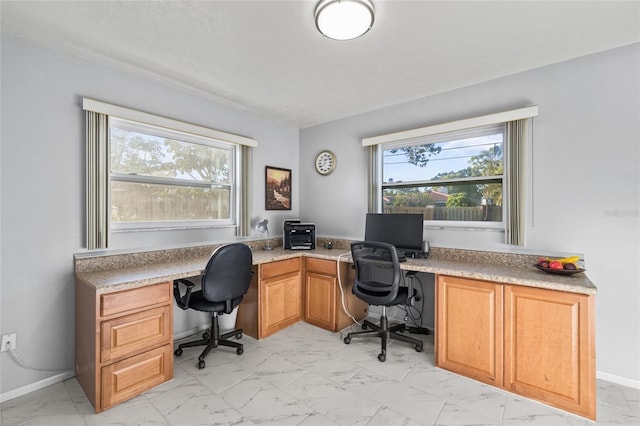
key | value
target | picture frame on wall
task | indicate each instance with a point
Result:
(277, 188)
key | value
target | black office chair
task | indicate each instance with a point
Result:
(377, 282)
(225, 281)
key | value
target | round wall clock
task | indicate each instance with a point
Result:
(325, 162)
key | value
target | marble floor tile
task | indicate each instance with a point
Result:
(333, 401)
(278, 371)
(138, 411)
(260, 401)
(191, 403)
(452, 414)
(308, 376)
(610, 415)
(414, 404)
(520, 411)
(386, 416)
(55, 420)
(618, 396)
(52, 403)
(336, 369)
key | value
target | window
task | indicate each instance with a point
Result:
(148, 172)
(449, 178)
(163, 178)
(464, 173)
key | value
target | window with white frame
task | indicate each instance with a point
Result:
(464, 173)
(450, 178)
(163, 178)
(149, 172)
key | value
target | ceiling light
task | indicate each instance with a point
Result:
(344, 19)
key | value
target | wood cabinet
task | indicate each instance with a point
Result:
(124, 341)
(469, 334)
(535, 342)
(549, 348)
(279, 295)
(323, 298)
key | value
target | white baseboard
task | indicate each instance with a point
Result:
(635, 384)
(32, 387)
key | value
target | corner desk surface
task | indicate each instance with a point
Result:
(506, 271)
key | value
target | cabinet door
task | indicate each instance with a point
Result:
(469, 328)
(550, 348)
(320, 300)
(280, 302)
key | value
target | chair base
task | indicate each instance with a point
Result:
(385, 332)
(212, 339)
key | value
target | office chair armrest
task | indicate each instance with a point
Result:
(182, 301)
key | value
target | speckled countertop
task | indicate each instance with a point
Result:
(125, 271)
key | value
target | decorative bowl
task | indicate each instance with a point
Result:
(560, 271)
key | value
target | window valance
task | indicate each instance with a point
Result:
(169, 123)
(451, 126)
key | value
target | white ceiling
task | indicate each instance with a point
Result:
(267, 57)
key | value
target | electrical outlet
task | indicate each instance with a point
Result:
(8, 342)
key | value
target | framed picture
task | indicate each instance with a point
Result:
(277, 194)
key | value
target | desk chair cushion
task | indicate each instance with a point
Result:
(374, 297)
(198, 302)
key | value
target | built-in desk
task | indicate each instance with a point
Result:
(498, 319)
(114, 272)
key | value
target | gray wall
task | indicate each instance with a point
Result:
(583, 195)
(584, 179)
(42, 189)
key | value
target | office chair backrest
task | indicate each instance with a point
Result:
(378, 273)
(227, 275)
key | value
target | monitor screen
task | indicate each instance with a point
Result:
(402, 230)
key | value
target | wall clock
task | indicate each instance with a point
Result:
(325, 162)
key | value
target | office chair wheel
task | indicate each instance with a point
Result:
(206, 335)
(347, 340)
(419, 348)
(239, 336)
(201, 365)
(382, 357)
(364, 326)
(177, 352)
(240, 351)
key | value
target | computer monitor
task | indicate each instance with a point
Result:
(402, 230)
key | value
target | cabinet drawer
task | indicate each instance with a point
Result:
(321, 266)
(131, 333)
(130, 377)
(281, 267)
(128, 300)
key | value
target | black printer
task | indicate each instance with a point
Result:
(298, 236)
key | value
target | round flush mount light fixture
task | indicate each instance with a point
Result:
(344, 19)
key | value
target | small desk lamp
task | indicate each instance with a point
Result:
(262, 228)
